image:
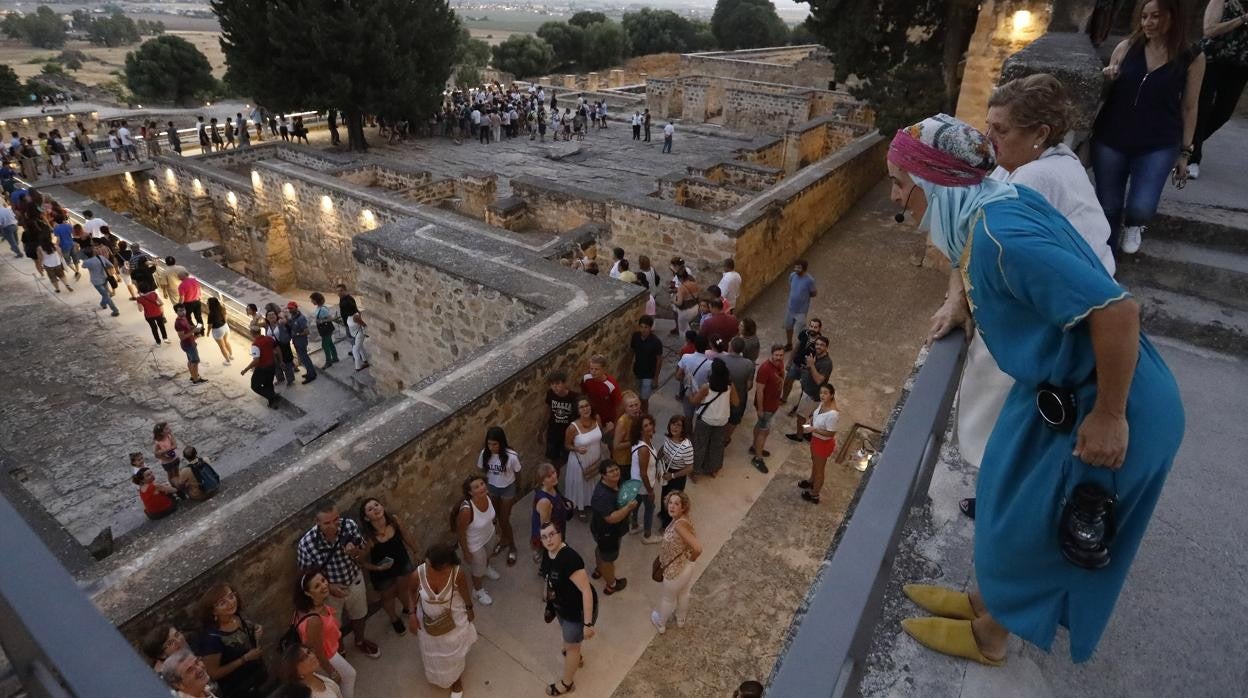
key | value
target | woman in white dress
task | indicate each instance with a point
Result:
(583, 440)
(442, 616)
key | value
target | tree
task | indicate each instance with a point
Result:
(606, 44)
(468, 76)
(52, 68)
(43, 28)
(524, 55)
(905, 53)
(585, 18)
(474, 52)
(11, 91)
(567, 40)
(379, 56)
(146, 28)
(114, 30)
(741, 24)
(802, 34)
(168, 69)
(659, 31)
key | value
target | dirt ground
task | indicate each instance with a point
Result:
(19, 55)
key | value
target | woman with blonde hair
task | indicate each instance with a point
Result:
(680, 549)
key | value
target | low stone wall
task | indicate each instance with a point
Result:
(795, 65)
(558, 209)
(752, 111)
(780, 227)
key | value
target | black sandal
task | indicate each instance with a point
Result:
(554, 690)
(805, 484)
(968, 507)
(812, 498)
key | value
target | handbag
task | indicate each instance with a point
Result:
(588, 472)
(657, 568)
(444, 623)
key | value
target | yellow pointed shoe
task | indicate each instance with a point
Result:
(948, 636)
(940, 601)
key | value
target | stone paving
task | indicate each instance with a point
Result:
(608, 160)
(90, 387)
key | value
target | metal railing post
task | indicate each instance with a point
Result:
(57, 642)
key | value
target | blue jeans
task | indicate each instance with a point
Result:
(10, 236)
(646, 502)
(1129, 184)
(106, 300)
(667, 144)
(301, 350)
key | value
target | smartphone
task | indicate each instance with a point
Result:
(385, 562)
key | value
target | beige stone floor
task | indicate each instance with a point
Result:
(763, 544)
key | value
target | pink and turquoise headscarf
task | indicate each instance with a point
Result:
(950, 161)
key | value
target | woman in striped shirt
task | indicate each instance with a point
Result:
(675, 461)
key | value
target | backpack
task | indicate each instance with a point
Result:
(291, 637)
(206, 475)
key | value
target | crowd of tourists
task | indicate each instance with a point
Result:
(491, 113)
(607, 464)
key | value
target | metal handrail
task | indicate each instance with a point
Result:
(833, 634)
(56, 641)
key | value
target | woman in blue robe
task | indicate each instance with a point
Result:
(1050, 315)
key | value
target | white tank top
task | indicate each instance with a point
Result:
(481, 528)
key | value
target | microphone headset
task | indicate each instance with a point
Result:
(900, 216)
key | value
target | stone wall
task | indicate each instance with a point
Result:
(423, 319)
(994, 40)
(794, 65)
(558, 209)
(779, 228)
(752, 111)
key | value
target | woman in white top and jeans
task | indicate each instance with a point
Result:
(1027, 121)
(645, 462)
(501, 465)
(714, 401)
(823, 422)
(473, 522)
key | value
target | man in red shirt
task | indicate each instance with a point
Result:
(719, 323)
(602, 391)
(188, 293)
(186, 337)
(264, 364)
(768, 384)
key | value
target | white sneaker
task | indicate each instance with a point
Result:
(483, 597)
(492, 573)
(657, 622)
(1131, 239)
(652, 540)
(1193, 171)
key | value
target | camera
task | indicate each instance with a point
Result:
(1087, 526)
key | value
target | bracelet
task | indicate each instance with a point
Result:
(588, 625)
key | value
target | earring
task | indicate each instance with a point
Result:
(1035, 146)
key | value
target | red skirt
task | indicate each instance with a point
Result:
(822, 448)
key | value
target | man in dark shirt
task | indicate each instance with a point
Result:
(814, 373)
(805, 345)
(561, 411)
(718, 323)
(346, 308)
(298, 326)
(647, 351)
(741, 373)
(609, 524)
(142, 269)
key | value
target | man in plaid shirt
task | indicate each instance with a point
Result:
(334, 548)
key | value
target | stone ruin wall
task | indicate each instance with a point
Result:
(807, 66)
(423, 319)
(753, 111)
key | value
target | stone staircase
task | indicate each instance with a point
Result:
(1191, 276)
